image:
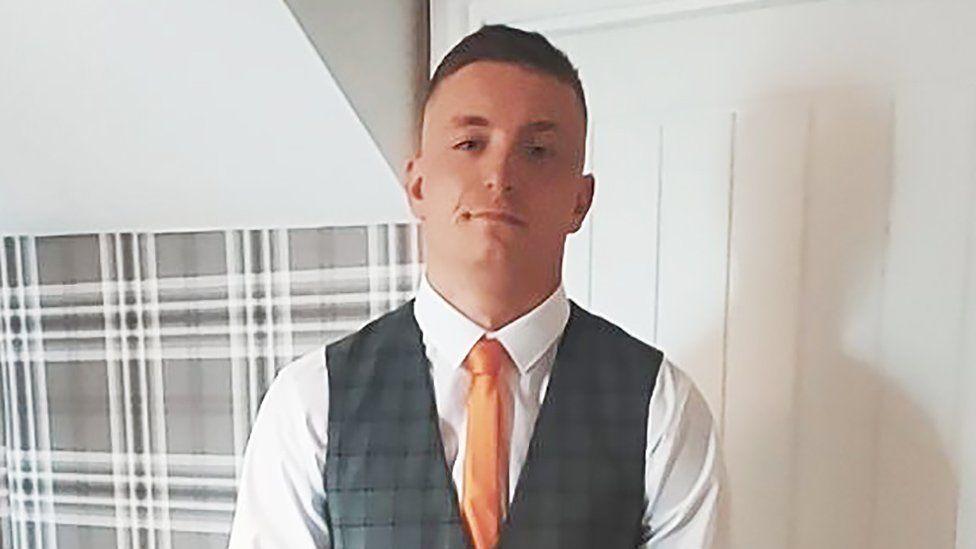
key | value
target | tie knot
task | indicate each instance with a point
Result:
(486, 357)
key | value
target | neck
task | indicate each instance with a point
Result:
(494, 297)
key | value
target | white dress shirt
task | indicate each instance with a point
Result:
(281, 496)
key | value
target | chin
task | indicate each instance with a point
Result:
(494, 254)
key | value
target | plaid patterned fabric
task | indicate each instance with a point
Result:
(133, 366)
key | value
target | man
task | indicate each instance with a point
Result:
(490, 410)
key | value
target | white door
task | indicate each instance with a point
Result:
(785, 204)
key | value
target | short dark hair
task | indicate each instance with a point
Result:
(507, 44)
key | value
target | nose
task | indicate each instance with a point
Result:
(501, 173)
(504, 186)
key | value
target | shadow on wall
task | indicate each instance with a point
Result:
(879, 476)
(870, 467)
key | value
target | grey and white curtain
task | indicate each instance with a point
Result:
(133, 365)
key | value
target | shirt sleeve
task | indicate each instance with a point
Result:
(281, 495)
(683, 466)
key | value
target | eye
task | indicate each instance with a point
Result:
(538, 151)
(467, 145)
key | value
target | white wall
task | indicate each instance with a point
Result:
(176, 115)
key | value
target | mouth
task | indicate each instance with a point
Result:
(495, 215)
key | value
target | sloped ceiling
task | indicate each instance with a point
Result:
(377, 52)
(177, 115)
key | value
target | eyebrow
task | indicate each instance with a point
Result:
(541, 125)
(462, 121)
(468, 120)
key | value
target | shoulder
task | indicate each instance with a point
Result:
(604, 336)
(678, 404)
(373, 334)
(307, 369)
(676, 380)
(300, 388)
(676, 398)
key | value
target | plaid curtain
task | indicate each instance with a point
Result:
(133, 365)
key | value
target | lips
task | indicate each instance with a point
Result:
(497, 215)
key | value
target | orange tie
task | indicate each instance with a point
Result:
(486, 450)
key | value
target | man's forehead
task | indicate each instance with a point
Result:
(509, 85)
(476, 120)
(489, 74)
(491, 94)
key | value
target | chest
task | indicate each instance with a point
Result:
(388, 473)
(523, 393)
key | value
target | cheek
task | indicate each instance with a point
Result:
(443, 195)
(450, 180)
(554, 210)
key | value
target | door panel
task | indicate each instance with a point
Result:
(763, 316)
(695, 175)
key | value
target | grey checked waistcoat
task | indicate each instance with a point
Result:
(387, 481)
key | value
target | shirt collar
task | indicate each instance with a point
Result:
(453, 334)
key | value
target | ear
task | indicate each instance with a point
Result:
(584, 199)
(413, 186)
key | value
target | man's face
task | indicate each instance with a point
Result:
(499, 173)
